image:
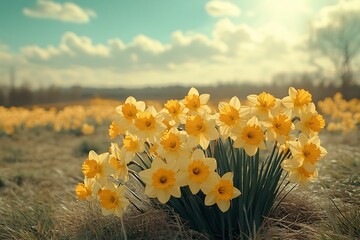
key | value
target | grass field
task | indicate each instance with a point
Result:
(40, 168)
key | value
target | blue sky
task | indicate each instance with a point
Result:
(142, 42)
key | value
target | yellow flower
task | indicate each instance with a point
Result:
(306, 153)
(201, 130)
(130, 108)
(262, 104)
(148, 125)
(132, 144)
(196, 103)
(229, 115)
(97, 167)
(173, 146)
(220, 190)
(196, 170)
(87, 129)
(87, 190)
(174, 112)
(161, 180)
(278, 128)
(112, 199)
(116, 129)
(297, 100)
(119, 160)
(249, 136)
(310, 121)
(300, 175)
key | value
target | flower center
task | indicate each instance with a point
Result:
(163, 178)
(145, 121)
(192, 102)
(91, 168)
(198, 171)
(311, 153)
(224, 190)
(194, 125)
(129, 111)
(252, 135)
(229, 115)
(302, 98)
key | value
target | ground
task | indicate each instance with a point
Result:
(40, 168)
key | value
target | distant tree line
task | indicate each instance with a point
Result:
(319, 88)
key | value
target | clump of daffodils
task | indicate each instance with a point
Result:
(343, 115)
(205, 163)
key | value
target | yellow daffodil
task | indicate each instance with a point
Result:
(310, 121)
(161, 180)
(299, 174)
(262, 104)
(97, 167)
(229, 116)
(148, 125)
(129, 110)
(132, 145)
(119, 160)
(249, 136)
(278, 128)
(306, 152)
(112, 199)
(87, 190)
(196, 103)
(196, 170)
(173, 146)
(220, 190)
(174, 112)
(201, 130)
(87, 129)
(116, 128)
(297, 100)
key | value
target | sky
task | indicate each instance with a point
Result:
(128, 43)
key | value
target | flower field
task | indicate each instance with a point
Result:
(182, 169)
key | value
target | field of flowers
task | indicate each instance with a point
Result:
(107, 169)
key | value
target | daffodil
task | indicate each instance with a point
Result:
(112, 199)
(201, 130)
(310, 121)
(297, 100)
(196, 170)
(196, 103)
(278, 128)
(262, 104)
(173, 146)
(299, 174)
(117, 128)
(119, 160)
(132, 145)
(161, 180)
(87, 190)
(129, 110)
(97, 167)
(229, 115)
(220, 190)
(305, 152)
(249, 136)
(148, 125)
(174, 112)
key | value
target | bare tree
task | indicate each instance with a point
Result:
(337, 36)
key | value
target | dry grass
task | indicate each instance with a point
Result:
(38, 172)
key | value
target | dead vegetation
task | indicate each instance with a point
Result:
(38, 173)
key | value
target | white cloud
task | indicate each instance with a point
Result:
(65, 12)
(217, 8)
(233, 51)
